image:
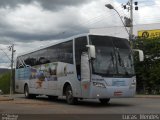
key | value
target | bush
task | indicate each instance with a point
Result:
(5, 82)
(147, 72)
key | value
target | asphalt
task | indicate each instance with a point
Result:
(10, 98)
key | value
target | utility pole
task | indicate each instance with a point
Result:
(11, 48)
(131, 17)
(129, 21)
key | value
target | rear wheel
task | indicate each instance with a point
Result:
(104, 100)
(26, 93)
(69, 96)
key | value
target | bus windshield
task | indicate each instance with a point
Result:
(113, 57)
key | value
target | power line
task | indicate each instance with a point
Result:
(146, 24)
(145, 1)
(5, 54)
(153, 18)
(92, 20)
(150, 5)
(100, 19)
(148, 18)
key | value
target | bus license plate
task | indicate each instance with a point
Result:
(118, 93)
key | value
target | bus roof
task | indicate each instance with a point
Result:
(61, 41)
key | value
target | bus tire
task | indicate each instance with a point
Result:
(69, 96)
(26, 93)
(104, 101)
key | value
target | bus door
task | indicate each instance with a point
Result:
(85, 74)
(80, 47)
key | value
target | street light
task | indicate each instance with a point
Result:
(109, 6)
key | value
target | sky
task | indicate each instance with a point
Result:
(29, 24)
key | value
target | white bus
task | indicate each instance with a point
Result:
(81, 67)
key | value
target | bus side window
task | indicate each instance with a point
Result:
(80, 47)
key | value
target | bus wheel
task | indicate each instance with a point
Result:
(104, 100)
(69, 96)
(26, 92)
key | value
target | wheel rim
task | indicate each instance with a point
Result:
(69, 96)
(26, 91)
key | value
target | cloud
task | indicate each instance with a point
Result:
(13, 3)
(146, 13)
(24, 24)
(46, 4)
(32, 20)
(60, 4)
(31, 23)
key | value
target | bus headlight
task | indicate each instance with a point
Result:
(97, 84)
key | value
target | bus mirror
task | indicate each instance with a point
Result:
(92, 51)
(141, 55)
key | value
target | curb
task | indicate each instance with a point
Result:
(147, 96)
(6, 98)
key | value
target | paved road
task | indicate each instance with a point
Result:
(41, 105)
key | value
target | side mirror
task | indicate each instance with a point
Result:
(141, 55)
(92, 51)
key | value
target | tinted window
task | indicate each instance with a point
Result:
(109, 41)
(62, 52)
(113, 57)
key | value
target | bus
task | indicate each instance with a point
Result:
(85, 66)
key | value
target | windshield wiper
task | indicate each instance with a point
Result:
(117, 71)
(121, 63)
(111, 62)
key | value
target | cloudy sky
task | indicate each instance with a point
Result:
(33, 23)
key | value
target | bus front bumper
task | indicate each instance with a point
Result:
(112, 92)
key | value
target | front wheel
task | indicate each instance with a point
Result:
(104, 100)
(26, 93)
(69, 96)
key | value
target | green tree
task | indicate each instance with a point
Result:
(148, 71)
